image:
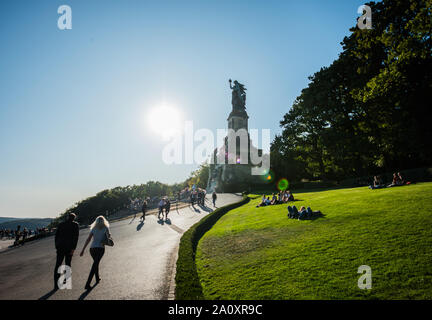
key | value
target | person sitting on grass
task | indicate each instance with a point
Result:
(303, 213)
(265, 202)
(396, 181)
(292, 212)
(284, 197)
(377, 183)
(401, 179)
(279, 197)
(290, 196)
(273, 200)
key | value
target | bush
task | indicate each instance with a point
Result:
(188, 286)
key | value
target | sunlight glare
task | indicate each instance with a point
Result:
(165, 121)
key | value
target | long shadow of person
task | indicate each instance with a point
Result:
(205, 208)
(140, 225)
(47, 295)
(132, 219)
(195, 209)
(86, 293)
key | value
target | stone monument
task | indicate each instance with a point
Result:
(234, 177)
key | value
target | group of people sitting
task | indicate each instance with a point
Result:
(279, 198)
(397, 180)
(303, 213)
(293, 212)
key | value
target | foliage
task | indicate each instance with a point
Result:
(199, 177)
(365, 113)
(109, 201)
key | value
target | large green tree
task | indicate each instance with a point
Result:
(366, 112)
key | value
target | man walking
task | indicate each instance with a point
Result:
(144, 209)
(167, 208)
(214, 197)
(161, 206)
(17, 235)
(66, 239)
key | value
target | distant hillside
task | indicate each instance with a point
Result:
(30, 223)
(5, 219)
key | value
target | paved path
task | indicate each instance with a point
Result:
(141, 265)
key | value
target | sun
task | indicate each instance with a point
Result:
(165, 121)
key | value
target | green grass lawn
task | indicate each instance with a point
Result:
(258, 253)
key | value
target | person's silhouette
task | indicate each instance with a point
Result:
(66, 239)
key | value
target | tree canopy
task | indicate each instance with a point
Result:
(366, 112)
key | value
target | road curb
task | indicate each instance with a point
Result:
(174, 256)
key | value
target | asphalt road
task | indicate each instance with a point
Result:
(141, 264)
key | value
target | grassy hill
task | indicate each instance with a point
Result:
(258, 253)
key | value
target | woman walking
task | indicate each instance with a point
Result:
(99, 231)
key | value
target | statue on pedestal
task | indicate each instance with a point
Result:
(238, 95)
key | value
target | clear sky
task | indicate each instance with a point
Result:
(74, 103)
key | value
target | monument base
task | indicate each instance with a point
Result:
(233, 178)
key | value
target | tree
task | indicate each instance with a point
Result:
(365, 112)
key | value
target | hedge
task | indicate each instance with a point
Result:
(188, 286)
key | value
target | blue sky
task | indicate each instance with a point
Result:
(73, 103)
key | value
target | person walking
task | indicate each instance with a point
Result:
(99, 231)
(192, 198)
(144, 209)
(199, 196)
(24, 236)
(214, 197)
(66, 239)
(178, 200)
(167, 208)
(161, 207)
(17, 235)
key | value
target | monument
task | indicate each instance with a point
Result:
(230, 171)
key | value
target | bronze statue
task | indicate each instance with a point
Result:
(238, 95)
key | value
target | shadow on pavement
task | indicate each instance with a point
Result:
(86, 293)
(47, 295)
(140, 225)
(195, 209)
(205, 208)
